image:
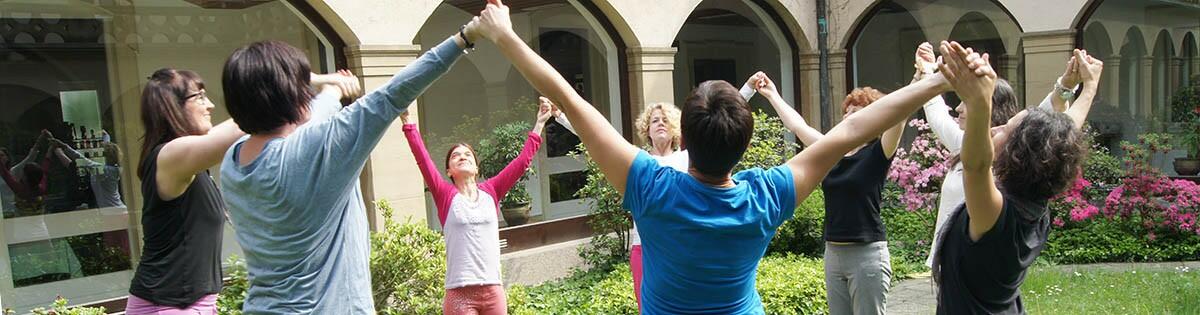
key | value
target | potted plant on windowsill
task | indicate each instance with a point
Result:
(497, 149)
(1185, 110)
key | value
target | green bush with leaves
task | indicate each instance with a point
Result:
(804, 233)
(1118, 240)
(787, 284)
(500, 147)
(408, 267)
(768, 146)
(609, 221)
(59, 307)
(233, 292)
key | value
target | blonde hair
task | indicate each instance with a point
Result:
(672, 115)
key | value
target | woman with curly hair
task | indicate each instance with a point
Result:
(1009, 174)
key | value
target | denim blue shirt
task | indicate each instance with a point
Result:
(298, 209)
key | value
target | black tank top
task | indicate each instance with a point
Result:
(181, 252)
(852, 190)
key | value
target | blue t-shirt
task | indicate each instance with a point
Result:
(700, 244)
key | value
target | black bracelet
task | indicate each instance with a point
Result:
(463, 35)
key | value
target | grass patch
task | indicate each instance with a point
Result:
(1051, 290)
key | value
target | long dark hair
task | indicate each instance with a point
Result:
(1004, 106)
(163, 115)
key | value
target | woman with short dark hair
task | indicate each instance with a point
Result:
(292, 188)
(183, 213)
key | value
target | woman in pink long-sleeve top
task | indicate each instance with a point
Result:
(469, 213)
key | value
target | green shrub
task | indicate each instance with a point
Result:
(1118, 240)
(59, 307)
(804, 233)
(500, 147)
(233, 293)
(585, 292)
(610, 222)
(909, 235)
(787, 284)
(408, 267)
(792, 285)
(768, 145)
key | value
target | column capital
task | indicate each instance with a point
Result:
(380, 60)
(643, 59)
(1049, 41)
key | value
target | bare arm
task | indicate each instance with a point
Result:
(180, 159)
(983, 199)
(792, 120)
(611, 152)
(810, 165)
(1089, 72)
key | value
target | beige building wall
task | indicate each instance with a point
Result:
(381, 34)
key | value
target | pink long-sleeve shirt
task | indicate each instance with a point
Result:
(470, 227)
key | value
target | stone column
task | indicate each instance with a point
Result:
(837, 85)
(1145, 96)
(650, 78)
(375, 65)
(810, 89)
(1045, 55)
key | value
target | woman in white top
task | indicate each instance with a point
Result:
(949, 130)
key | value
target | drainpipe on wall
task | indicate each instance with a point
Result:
(823, 49)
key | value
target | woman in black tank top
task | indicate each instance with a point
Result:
(857, 263)
(991, 240)
(183, 214)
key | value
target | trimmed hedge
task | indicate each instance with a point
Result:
(787, 284)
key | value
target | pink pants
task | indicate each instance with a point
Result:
(475, 300)
(206, 305)
(635, 266)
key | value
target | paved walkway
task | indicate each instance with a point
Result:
(916, 296)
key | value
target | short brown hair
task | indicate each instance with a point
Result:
(717, 126)
(266, 86)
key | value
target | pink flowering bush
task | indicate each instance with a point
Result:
(1148, 196)
(919, 170)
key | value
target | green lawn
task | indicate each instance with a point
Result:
(1050, 290)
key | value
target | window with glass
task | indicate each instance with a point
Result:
(484, 100)
(731, 40)
(1149, 50)
(71, 75)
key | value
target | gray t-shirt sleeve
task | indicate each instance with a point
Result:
(335, 149)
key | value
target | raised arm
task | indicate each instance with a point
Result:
(1089, 70)
(984, 201)
(438, 186)
(180, 159)
(810, 165)
(1065, 83)
(792, 120)
(338, 147)
(611, 152)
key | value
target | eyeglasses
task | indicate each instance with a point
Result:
(200, 94)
